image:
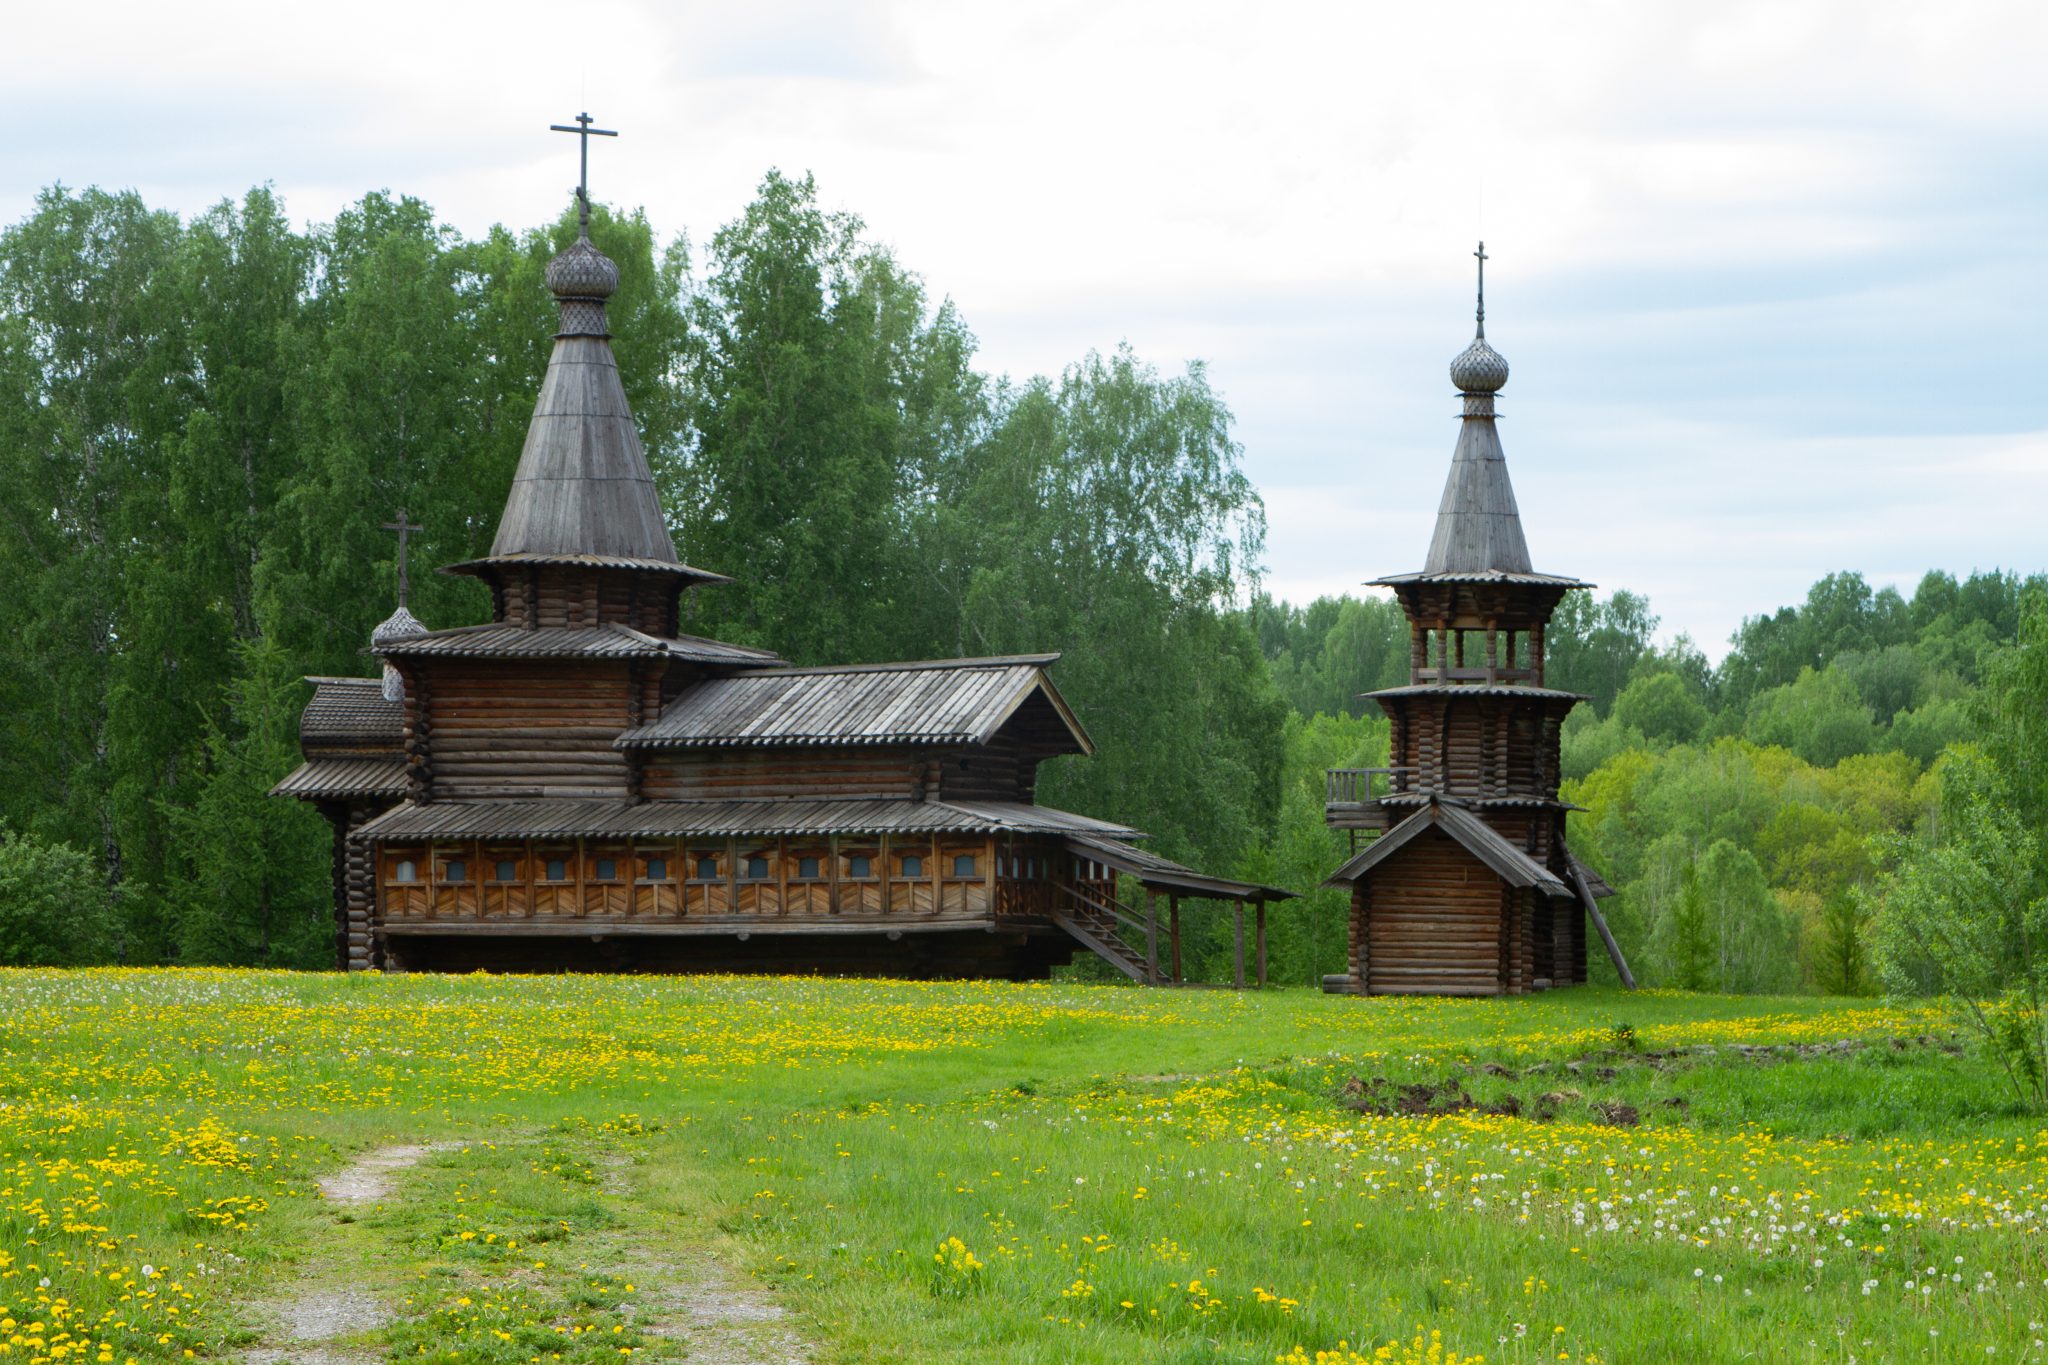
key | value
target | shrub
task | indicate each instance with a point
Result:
(55, 911)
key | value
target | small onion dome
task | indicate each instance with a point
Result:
(1479, 368)
(583, 272)
(400, 625)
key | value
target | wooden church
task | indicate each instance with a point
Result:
(579, 785)
(1464, 885)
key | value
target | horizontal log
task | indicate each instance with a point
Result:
(724, 925)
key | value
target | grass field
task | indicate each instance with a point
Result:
(1011, 1173)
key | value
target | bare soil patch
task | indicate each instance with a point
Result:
(368, 1178)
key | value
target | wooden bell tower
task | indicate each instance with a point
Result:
(1466, 887)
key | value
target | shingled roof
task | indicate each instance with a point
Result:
(607, 641)
(335, 778)
(946, 701)
(347, 711)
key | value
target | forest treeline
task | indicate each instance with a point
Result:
(204, 423)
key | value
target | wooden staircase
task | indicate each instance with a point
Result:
(1094, 924)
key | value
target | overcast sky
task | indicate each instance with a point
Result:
(1769, 275)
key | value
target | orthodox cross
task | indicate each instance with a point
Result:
(1481, 254)
(405, 529)
(584, 132)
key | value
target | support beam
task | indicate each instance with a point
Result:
(1237, 943)
(1600, 922)
(1151, 936)
(1260, 905)
(1173, 931)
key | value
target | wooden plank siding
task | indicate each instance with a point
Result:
(848, 877)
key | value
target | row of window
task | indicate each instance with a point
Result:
(706, 868)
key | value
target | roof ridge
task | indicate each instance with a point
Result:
(909, 665)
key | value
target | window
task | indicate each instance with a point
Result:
(707, 869)
(757, 868)
(860, 865)
(911, 866)
(607, 869)
(963, 865)
(558, 869)
(405, 870)
(807, 868)
(455, 870)
(656, 870)
(505, 870)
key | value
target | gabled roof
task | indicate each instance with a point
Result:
(1164, 874)
(607, 641)
(943, 701)
(1478, 838)
(565, 819)
(332, 778)
(351, 710)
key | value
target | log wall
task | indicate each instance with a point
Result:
(735, 774)
(571, 595)
(1431, 921)
(525, 728)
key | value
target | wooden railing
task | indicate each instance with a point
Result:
(1354, 786)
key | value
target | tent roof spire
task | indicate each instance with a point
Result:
(1478, 527)
(583, 487)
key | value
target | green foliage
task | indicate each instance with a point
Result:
(825, 396)
(249, 872)
(1964, 915)
(55, 910)
(1661, 708)
(1325, 655)
(1686, 950)
(1593, 647)
(1841, 960)
(1817, 716)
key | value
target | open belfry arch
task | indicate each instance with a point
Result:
(579, 785)
(1464, 885)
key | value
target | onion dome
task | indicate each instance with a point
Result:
(1479, 368)
(583, 272)
(400, 625)
(581, 279)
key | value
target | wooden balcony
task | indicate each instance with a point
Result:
(1351, 796)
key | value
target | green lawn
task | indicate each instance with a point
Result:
(1010, 1173)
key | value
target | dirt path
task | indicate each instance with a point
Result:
(692, 1304)
(368, 1178)
(321, 1322)
(721, 1318)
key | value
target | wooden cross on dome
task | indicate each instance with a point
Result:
(584, 132)
(405, 529)
(1481, 254)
